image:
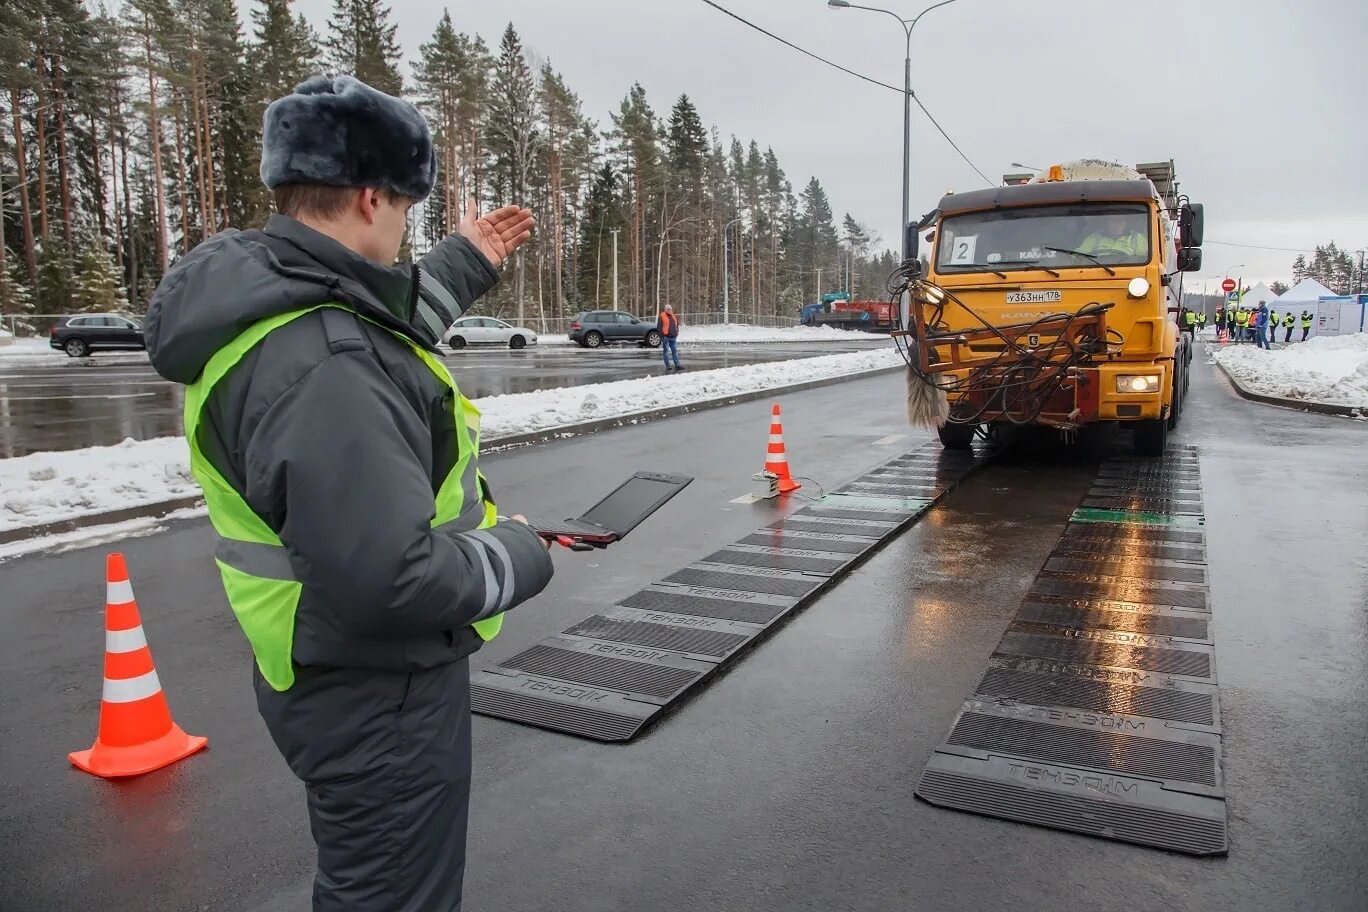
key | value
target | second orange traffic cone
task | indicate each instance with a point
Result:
(137, 734)
(776, 460)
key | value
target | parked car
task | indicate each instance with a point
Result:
(595, 327)
(488, 331)
(81, 335)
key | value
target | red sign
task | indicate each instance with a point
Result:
(1228, 286)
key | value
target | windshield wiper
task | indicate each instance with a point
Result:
(1110, 271)
(984, 266)
(1031, 264)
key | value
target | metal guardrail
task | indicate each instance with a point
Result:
(561, 326)
(40, 325)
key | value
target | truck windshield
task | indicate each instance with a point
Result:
(1077, 236)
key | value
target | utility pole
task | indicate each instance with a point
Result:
(819, 283)
(726, 275)
(614, 233)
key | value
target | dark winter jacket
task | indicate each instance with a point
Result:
(341, 447)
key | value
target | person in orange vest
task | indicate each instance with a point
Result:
(668, 326)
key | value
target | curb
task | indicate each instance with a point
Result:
(495, 445)
(1301, 405)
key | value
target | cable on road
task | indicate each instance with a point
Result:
(869, 79)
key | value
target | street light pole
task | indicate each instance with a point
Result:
(908, 25)
(614, 233)
(726, 275)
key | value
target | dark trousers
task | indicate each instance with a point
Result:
(669, 347)
(1288, 336)
(1305, 330)
(385, 762)
(1259, 338)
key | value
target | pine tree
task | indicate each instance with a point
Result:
(284, 52)
(361, 43)
(1298, 269)
(16, 299)
(513, 137)
(96, 287)
(56, 277)
(1279, 288)
(637, 144)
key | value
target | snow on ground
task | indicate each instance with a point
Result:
(736, 332)
(47, 487)
(1329, 369)
(521, 413)
(109, 533)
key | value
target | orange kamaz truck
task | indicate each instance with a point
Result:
(1054, 300)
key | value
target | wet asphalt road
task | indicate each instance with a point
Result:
(788, 783)
(55, 403)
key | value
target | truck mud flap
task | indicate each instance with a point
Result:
(1098, 712)
(615, 673)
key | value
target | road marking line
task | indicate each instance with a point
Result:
(746, 499)
(889, 440)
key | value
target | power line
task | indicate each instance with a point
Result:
(951, 141)
(851, 72)
(1260, 247)
(829, 63)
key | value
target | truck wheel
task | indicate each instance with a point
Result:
(957, 436)
(1151, 436)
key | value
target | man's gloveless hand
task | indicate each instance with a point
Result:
(498, 233)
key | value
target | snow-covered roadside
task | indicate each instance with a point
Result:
(1326, 369)
(48, 487)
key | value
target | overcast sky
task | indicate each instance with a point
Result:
(1261, 104)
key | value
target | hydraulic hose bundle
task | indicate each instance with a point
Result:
(1014, 384)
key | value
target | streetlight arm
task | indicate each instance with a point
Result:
(927, 10)
(875, 9)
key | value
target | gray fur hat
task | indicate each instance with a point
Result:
(342, 133)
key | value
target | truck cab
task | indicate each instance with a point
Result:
(1058, 298)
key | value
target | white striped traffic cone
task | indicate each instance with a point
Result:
(137, 734)
(776, 460)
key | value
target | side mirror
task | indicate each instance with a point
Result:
(1192, 222)
(911, 243)
(1189, 259)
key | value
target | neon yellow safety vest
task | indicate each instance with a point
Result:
(1306, 322)
(1129, 244)
(255, 565)
(1190, 317)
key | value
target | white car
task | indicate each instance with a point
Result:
(488, 331)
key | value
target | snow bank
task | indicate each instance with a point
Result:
(46, 487)
(521, 413)
(1329, 369)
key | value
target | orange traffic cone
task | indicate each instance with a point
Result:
(776, 460)
(136, 733)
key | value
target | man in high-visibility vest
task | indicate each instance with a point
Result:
(1189, 322)
(1287, 322)
(1274, 318)
(1201, 319)
(1305, 323)
(1242, 321)
(359, 546)
(1230, 325)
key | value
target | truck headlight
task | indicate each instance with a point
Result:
(1138, 287)
(1137, 383)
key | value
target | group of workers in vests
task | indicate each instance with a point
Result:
(1246, 324)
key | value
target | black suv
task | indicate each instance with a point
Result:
(595, 327)
(79, 336)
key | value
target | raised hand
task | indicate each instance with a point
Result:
(499, 233)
